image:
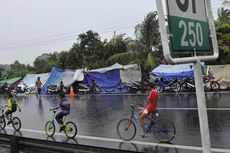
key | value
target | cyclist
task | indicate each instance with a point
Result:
(12, 107)
(150, 108)
(65, 107)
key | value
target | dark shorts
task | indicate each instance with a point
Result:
(39, 91)
(9, 112)
(60, 116)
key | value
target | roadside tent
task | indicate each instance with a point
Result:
(221, 74)
(108, 82)
(110, 79)
(12, 83)
(68, 77)
(30, 79)
(130, 73)
(173, 71)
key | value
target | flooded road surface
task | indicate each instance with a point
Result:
(98, 115)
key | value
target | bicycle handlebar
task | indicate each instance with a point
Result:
(2, 107)
(54, 110)
(133, 106)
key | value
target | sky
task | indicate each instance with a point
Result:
(30, 28)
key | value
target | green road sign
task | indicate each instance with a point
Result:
(188, 26)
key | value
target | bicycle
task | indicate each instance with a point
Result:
(70, 129)
(164, 130)
(16, 122)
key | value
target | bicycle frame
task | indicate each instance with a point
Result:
(148, 122)
(53, 118)
(2, 109)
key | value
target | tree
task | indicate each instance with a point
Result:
(226, 2)
(140, 50)
(92, 49)
(115, 50)
(148, 34)
(75, 57)
(223, 16)
(223, 36)
(45, 62)
(148, 31)
(19, 70)
(62, 59)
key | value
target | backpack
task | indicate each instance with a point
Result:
(14, 105)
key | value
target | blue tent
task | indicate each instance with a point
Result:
(58, 75)
(108, 81)
(173, 71)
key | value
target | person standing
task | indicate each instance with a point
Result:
(38, 86)
(61, 87)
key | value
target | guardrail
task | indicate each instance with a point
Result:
(17, 144)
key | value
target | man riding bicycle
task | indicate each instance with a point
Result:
(12, 107)
(65, 109)
(150, 108)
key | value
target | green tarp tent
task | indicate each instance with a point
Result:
(10, 81)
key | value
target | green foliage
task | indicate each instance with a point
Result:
(121, 58)
(150, 62)
(19, 70)
(45, 62)
(223, 16)
(223, 36)
(148, 31)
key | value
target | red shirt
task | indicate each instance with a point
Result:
(152, 101)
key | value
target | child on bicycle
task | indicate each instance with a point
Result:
(150, 108)
(12, 107)
(65, 109)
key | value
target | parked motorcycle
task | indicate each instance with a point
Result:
(4, 89)
(210, 84)
(163, 85)
(23, 88)
(141, 86)
(54, 89)
(188, 84)
(83, 88)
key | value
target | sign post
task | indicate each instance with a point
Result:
(191, 28)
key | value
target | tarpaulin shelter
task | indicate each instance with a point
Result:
(66, 76)
(12, 83)
(110, 79)
(173, 71)
(30, 79)
(108, 82)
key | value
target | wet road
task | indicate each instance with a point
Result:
(97, 115)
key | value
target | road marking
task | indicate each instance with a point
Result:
(134, 142)
(184, 108)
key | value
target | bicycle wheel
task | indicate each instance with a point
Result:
(126, 134)
(16, 123)
(70, 129)
(2, 122)
(164, 130)
(159, 88)
(50, 128)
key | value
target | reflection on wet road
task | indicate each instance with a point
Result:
(97, 115)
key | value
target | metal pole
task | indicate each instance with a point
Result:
(202, 110)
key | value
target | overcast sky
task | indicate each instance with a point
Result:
(29, 28)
